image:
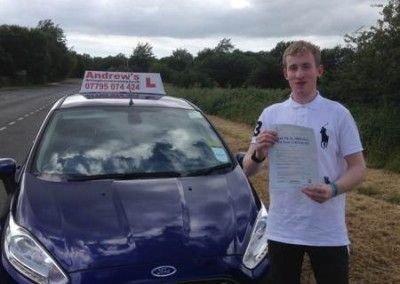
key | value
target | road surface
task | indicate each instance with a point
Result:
(21, 114)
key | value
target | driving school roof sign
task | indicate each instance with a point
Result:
(122, 82)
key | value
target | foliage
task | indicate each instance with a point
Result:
(379, 125)
(224, 46)
(35, 55)
(225, 66)
(141, 58)
(180, 60)
(53, 31)
(56, 52)
(268, 73)
(369, 71)
(241, 105)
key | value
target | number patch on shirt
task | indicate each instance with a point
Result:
(258, 128)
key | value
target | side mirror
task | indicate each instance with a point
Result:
(240, 157)
(8, 168)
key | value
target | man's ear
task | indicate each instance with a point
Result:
(320, 70)
(285, 73)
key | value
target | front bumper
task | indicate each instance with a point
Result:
(218, 270)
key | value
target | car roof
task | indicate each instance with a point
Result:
(84, 100)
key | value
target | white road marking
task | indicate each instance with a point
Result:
(22, 118)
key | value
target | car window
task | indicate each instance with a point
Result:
(125, 140)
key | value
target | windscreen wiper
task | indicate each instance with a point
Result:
(126, 176)
(222, 168)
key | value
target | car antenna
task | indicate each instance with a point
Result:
(130, 92)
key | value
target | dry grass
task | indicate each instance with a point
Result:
(373, 216)
(382, 185)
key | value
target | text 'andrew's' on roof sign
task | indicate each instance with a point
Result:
(122, 82)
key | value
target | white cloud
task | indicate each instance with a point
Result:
(240, 4)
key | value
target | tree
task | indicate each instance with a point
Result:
(268, 68)
(226, 69)
(59, 59)
(48, 27)
(334, 60)
(14, 41)
(38, 62)
(278, 50)
(6, 67)
(142, 57)
(83, 62)
(376, 53)
(224, 46)
(118, 62)
(179, 60)
(267, 73)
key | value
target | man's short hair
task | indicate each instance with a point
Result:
(299, 47)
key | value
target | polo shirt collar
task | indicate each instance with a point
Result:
(314, 104)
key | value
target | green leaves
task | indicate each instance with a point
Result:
(34, 55)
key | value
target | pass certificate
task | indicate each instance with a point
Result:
(293, 160)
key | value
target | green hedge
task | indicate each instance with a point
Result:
(379, 126)
(241, 105)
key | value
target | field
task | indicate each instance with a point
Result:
(373, 216)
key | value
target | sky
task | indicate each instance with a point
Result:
(105, 27)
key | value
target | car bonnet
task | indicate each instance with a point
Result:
(104, 223)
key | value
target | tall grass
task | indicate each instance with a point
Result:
(379, 124)
(241, 105)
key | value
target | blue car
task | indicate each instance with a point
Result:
(122, 190)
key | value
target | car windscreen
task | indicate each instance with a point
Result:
(128, 142)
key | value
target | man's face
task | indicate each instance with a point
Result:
(302, 74)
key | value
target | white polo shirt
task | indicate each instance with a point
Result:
(293, 217)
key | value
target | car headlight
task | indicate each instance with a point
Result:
(27, 256)
(258, 245)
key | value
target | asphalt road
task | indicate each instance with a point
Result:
(21, 114)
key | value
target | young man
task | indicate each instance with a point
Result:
(312, 219)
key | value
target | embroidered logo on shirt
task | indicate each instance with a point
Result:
(324, 137)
